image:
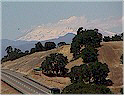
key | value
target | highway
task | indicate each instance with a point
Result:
(24, 85)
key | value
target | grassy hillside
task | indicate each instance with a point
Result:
(109, 53)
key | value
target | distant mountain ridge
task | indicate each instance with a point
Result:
(27, 45)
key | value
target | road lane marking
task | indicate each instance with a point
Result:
(21, 79)
(10, 78)
(13, 79)
(16, 86)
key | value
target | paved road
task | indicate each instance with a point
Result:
(21, 83)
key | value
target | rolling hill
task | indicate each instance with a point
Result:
(109, 53)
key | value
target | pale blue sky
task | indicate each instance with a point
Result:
(24, 15)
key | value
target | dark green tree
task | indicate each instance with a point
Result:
(47, 65)
(121, 59)
(26, 52)
(80, 73)
(61, 43)
(75, 49)
(17, 50)
(4, 59)
(99, 72)
(77, 43)
(75, 74)
(121, 91)
(116, 38)
(106, 39)
(80, 30)
(86, 38)
(82, 88)
(50, 45)
(9, 49)
(56, 62)
(15, 54)
(39, 47)
(94, 72)
(33, 50)
(121, 36)
(89, 54)
(92, 38)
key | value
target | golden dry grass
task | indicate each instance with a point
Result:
(109, 53)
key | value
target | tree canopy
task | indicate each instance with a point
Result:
(50, 45)
(99, 72)
(32, 50)
(61, 43)
(89, 54)
(86, 38)
(39, 47)
(82, 88)
(106, 39)
(94, 72)
(56, 62)
(121, 59)
(80, 73)
(12, 54)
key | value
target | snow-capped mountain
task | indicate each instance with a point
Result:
(42, 33)
(70, 25)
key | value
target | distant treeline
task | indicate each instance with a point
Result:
(15, 53)
(116, 37)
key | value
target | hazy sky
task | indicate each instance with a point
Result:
(25, 15)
